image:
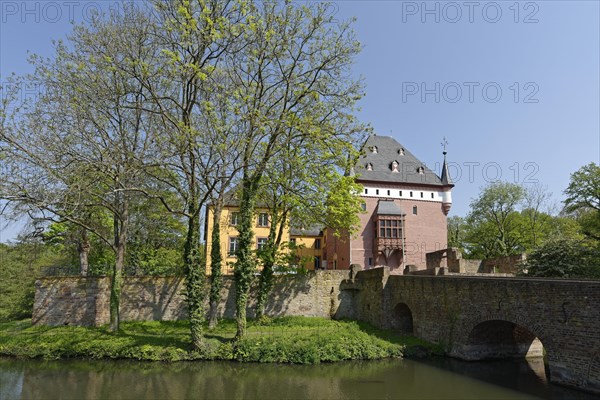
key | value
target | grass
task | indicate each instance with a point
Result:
(299, 340)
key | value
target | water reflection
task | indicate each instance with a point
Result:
(384, 379)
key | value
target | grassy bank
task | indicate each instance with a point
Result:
(289, 340)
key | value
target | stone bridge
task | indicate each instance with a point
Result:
(476, 318)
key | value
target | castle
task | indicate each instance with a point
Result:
(405, 205)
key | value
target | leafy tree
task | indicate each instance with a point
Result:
(192, 38)
(291, 77)
(564, 258)
(535, 197)
(21, 264)
(84, 143)
(583, 199)
(493, 221)
(457, 227)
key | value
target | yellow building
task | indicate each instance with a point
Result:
(308, 243)
(309, 247)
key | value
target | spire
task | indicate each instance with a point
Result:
(446, 180)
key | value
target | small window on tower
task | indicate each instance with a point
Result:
(363, 205)
(414, 210)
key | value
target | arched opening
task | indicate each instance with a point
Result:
(402, 320)
(502, 339)
(594, 373)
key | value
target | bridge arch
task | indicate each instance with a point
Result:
(498, 338)
(402, 319)
(593, 378)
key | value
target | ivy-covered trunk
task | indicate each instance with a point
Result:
(216, 277)
(245, 265)
(267, 256)
(120, 225)
(194, 280)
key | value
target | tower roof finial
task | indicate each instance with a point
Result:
(445, 174)
(444, 144)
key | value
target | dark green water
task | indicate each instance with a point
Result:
(385, 379)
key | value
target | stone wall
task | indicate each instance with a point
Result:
(85, 300)
(472, 317)
(452, 259)
(503, 265)
(463, 314)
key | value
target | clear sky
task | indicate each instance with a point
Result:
(513, 86)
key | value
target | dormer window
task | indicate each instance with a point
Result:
(401, 151)
(395, 166)
(374, 149)
(421, 170)
(369, 167)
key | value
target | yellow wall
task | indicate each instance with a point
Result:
(307, 251)
(228, 231)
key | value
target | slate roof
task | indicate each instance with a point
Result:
(310, 231)
(388, 207)
(388, 151)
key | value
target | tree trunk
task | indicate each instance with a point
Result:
(245, 265)
(265, 283)
(194, 280)
(120, 228)
(83, 248)
(216, 278)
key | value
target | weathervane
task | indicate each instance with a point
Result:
(444, 144)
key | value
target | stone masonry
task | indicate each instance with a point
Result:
(472, 317)
(85, 300)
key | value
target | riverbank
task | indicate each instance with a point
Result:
(298, 340)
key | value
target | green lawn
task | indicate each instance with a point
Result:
(290, 339)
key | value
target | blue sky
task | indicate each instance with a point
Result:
(513, 86)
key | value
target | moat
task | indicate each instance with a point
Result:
(437, 378)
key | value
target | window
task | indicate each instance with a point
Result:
(415, 210)
(363, 205)
(401, 152)
(263, 219)
(233, 246)
(421, 194)
(390, 228)
(401, 193)
(432, 195)
(261, 242)
(317, 244)
(389, 193)
(369, 167)
(395, 166)
(410, 194)
(235, 218)
(376, 191)
(370, 260)
(366, 191)
(293, 241)
(317, 262)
